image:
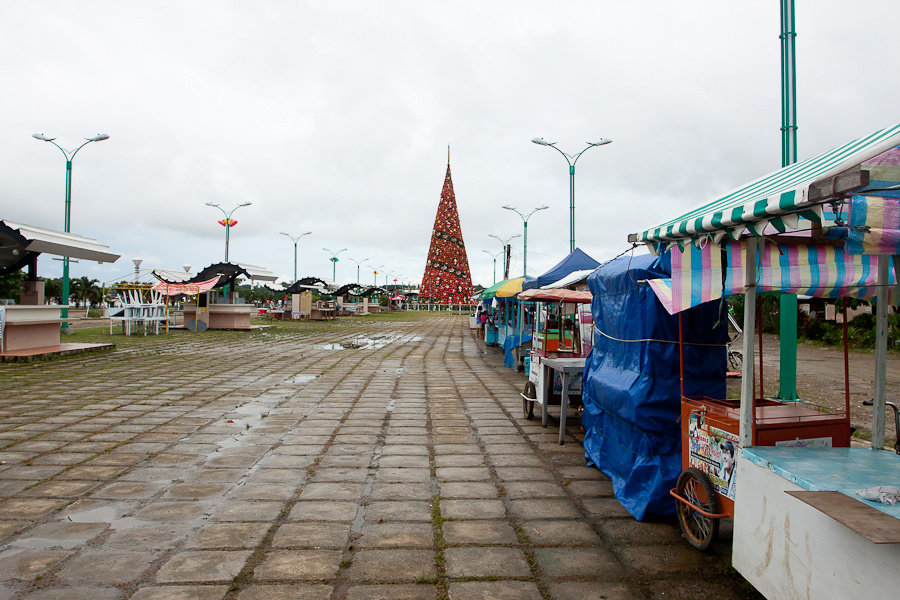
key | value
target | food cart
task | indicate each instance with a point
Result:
(800, 530)
(561, 340)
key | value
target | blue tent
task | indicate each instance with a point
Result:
(632, 394)
(576, 261)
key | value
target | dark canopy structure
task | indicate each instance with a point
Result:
(301, 285)
(227, 273)
(576, 261)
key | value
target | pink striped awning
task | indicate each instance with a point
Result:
(188, 289)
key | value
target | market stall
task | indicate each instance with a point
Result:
(31, 324)
(828, 226)
(561, 339)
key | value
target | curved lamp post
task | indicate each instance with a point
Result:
(357, 263)
(70, 155)
(375, 275)
(295, 240)
(334, 261)
(525, 233)
(505, 244)
(571, 159)
(227, 220)
(494, 256)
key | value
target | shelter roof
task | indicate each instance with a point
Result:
(781, 197)
(577, 260)
(555, 295)
(570, 279)
(19, 243)
(227, 273)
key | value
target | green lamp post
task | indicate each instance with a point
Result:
(70, 156)
(525, 233)
(494, 256)
(505, 244)
(334, 261)
(571, 159)
(295, 240)
(375, 275)
(226, 222)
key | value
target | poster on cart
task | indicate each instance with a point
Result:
(712, 450)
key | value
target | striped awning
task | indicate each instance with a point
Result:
(778, 199)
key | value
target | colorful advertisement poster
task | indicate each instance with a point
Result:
(713, 451)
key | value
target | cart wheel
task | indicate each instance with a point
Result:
(528, 405)
(735, 360)
(699, 530)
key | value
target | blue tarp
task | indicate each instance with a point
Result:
(632, 396)
(576, 261)
(512, 341)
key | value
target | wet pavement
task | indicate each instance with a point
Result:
(363, 461)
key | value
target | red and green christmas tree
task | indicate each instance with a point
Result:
(447, 279)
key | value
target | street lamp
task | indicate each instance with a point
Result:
(375, 275)
(295, 240)
(70, 156)
(226, 222)
(334, 260)
(494, 256)
(137, 269)
(525, 232)
(358, 263)
(187, 268)
(505, 244)
(571, 159)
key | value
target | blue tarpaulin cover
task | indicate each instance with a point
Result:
(632, 394)
(512, 341)
(576, 261)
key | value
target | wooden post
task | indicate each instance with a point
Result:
(881, 311)
(747, 400)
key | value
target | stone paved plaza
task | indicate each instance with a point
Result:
(359, 459)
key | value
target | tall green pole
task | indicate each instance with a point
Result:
(69, 156)
(788, 302)
(571, 208)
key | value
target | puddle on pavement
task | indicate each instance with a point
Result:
(376, 342)
(301, 378)
(244, 418)
(107, 513)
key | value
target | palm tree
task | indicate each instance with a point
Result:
(83, 287)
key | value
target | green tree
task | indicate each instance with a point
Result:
(10, 285)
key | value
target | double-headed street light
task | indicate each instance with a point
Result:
(295, 240)
(494, 256)
(70, 155)
(571, 159)
(505, 244)
(375, 275)
(227, 222)
(334, 261)
(525, 233)
(357, 263)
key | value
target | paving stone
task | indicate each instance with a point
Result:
(605, 507)
(667, 589)
(28, 508)
(459, 460)
(203, 565)
(180, 592)
(70, 593)
(28, 564)
(299, 564)
(406, 475)
(486, 561)
(111, 568)
(347, 474)
(560, 532)
(135, 489)
(247, 510)
(463, 473)
(63, 534)
(494, 590)
(636, 532)
(392, 566)
(388, 535)
(544, 508)
(579, 590)
(466, 489)
(577, 562)
(655, 560)
(399, 510)
(323, 511)
(195, 491)
(478, 532)
(312, 535)
(228, 535)
(173, 512)
(161, 536)
(590, 488)
(401, 491)
(332, 491)
(472, 509)
(401, 591)
(401, 461)
(294, 591)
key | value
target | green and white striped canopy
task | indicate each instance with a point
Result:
(779, 198)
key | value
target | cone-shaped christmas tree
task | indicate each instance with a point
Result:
(447, 278)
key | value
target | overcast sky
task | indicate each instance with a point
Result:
(335, 117)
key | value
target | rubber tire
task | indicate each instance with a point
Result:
(699, 530)
(528, 405)
(735, 360)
